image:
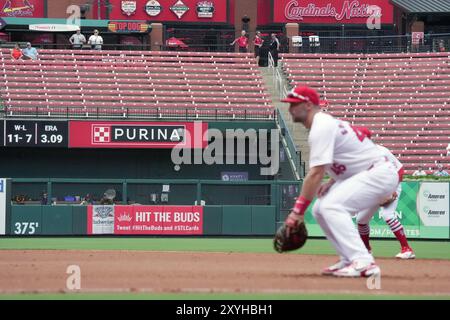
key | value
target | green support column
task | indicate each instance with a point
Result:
(124, 193)
(49, 193)
(199, 192)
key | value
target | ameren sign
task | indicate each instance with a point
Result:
(332, 11)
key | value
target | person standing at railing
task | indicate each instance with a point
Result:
(77, 40)
(96, 41)
(274, 48)
(242, 42)
(258, 42)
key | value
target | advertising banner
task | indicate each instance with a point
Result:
(170, 10)
(128, 26)
(433, 207)
(406, 213)
(48, 27)
(332, 11)
(145, 220)
(100, 219)
(22, 8)
(234, 176)
(423, 210)
(109, 134)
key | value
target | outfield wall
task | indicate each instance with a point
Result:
(423, 210)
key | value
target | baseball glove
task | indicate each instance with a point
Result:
(288, 238)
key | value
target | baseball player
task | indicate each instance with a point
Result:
(363, 177)
(387, 212)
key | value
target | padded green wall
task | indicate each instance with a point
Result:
(50, 220)
(72, 220)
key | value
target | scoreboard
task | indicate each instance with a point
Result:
(24, 133)
(101, 134)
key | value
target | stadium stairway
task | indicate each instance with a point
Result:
(298, 132)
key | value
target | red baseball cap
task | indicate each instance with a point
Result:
(302, 94)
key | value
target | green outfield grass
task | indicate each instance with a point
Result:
(388, 248)
(385, 248)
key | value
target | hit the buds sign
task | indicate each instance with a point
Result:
(159, 220)
(145, 220)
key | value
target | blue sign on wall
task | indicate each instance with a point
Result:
(234, 176)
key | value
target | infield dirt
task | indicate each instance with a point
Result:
(44, 271)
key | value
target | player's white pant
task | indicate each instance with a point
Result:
(387, 212)
(348, 197)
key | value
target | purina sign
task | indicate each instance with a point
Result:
(139, 134)
(332, 11)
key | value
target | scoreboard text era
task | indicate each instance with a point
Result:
(23, 133)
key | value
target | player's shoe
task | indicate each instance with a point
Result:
(335, 267)
(357, 269)
(407, 253)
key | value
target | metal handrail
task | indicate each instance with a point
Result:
(153, 113)
(291, 150)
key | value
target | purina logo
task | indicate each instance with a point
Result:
(104, 212)
(428, 195)
(101, 134)
(179, 8)
(124, 217)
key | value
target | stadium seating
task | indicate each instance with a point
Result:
(134, 84)
(403, 98)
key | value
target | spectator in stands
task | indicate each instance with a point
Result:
(440, 171)
(96, 41)
(77, 40)
(44, 198)
(242, 42)
(29, 52)
(16, 52)
(258, 42)
(419, 172)
(441, 46)
(274, 48)
(448, 149)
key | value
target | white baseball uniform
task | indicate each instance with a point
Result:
(387, 212)
(364, 177)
